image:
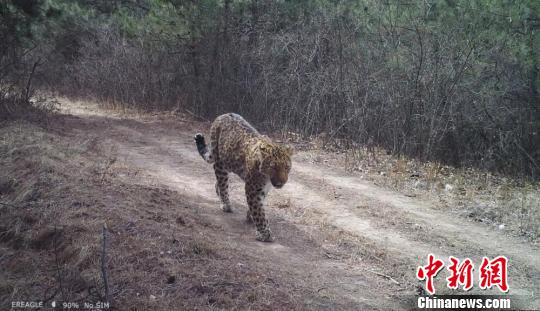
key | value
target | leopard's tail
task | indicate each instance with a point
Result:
(203, 149)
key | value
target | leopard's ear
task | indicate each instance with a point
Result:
(289, 149)
(262, 148)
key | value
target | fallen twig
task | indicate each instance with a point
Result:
(8, 205)
(196, 116)
(103, 264)
(57, 263)
(385, 276)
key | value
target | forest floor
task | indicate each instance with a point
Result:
(343, 241)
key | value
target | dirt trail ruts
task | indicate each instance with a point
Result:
(449, 226)
(405, 228)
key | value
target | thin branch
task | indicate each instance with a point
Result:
(9, 205)
(103, 264)
(527, 154)
(29, 83)
(57, 263)
(196, 116)
(385, 276)
(334, 132)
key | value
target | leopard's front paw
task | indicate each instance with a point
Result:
(226, 208)
(264, 236)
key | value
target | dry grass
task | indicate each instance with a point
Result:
(58, 188)
(62, 184)
(505, 203)
(354, 250)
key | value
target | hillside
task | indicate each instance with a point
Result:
(342, 242)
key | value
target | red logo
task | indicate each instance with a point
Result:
(430, 271)
(460, 274)
(492, 273)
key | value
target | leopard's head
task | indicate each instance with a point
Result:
(275, 162)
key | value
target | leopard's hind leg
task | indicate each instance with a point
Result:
(222, 187)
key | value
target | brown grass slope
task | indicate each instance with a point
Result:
(59, 187)
(342, 242)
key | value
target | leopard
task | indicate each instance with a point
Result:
(237, 147)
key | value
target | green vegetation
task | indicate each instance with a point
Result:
(449, 80)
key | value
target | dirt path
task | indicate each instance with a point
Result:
(333, 230)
